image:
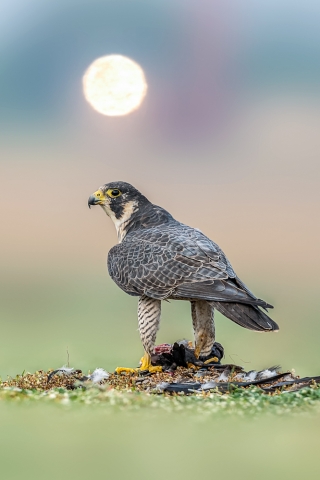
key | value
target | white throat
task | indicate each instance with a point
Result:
(121, 223)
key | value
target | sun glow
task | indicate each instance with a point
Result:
(114, 85)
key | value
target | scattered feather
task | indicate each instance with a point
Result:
(268, 372)
(64, 369)
(224, 377)
(161, 386)
(251, 376)
(208, 386)
(98, 375)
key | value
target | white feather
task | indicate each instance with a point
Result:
(98, 375)
(251, 376)
(161, 386)
(267, 374)
(66, 370)
(208, 386)
(223, 377)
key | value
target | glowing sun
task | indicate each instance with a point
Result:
(114, 85)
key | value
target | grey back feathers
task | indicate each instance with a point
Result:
(162, 258)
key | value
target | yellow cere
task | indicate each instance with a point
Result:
(99, 195)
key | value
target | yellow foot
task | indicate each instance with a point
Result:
(192, 366)
(145, 362)
(126, 370)
(145, 365)
(211, 360)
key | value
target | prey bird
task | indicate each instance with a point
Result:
(158, 258)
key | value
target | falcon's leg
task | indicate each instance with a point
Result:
(149, 313)
(203, 325)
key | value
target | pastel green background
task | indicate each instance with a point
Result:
(228, 141)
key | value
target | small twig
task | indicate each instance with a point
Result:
(68, 358)
(237, 356)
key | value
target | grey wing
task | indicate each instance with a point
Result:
(145, 264)
(176, 262)
(227, 289)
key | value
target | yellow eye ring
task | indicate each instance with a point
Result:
(113, 192)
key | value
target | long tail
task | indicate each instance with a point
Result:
(248, 316)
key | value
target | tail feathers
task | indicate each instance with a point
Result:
(248, 316)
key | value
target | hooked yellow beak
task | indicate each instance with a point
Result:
(97, 198)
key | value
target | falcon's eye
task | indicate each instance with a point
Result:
(113, 192)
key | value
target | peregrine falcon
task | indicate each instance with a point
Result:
(158, 258)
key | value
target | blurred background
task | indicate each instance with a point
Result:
(227, 139)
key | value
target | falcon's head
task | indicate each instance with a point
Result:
(120, 201)
(117, 197)
(128, 208)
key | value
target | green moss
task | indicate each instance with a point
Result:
(250, 402)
